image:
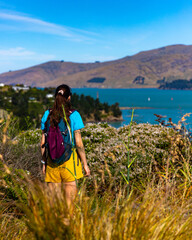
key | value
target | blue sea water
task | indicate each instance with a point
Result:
(168, 103)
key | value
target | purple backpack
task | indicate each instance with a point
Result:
(58, 142)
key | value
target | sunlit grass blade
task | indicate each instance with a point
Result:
(124, 178)
(132, 162)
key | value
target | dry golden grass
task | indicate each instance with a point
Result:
(158, 210)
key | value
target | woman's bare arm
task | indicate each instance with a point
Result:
(42, 144)
(81, 151)
(43, 151)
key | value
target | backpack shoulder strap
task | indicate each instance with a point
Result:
(62, 125)
(47, 123)
(72, 111)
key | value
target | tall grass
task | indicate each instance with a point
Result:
(128, 157)
(155, 214)
(160, 209)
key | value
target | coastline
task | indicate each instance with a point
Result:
(107, 119)
(130, 108)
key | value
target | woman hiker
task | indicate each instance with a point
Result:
(64, 174)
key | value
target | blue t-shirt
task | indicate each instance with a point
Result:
(75, 118)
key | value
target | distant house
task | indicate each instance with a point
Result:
(18, 88)
(49, 95)
(2, 84)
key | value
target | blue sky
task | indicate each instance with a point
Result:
(33, 32)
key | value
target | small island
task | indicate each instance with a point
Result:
(179, 84)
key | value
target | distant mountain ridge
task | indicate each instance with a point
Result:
(143, 70)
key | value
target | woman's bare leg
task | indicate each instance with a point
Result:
(70, 190)
(55, 188)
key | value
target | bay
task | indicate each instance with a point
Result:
(168, 103)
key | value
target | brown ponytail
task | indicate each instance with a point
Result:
(62, 100)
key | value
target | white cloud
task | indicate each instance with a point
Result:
(37, 25)
(19, 58)
(15, 52)
(23, 54)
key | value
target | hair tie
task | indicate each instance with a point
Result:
(61, 92)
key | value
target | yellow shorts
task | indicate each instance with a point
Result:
(64, 172)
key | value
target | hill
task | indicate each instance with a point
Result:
(143, 70)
